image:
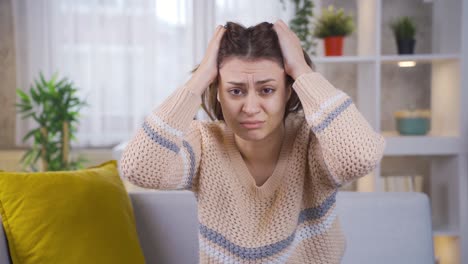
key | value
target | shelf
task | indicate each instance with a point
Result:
(386, 59)
(343, 59)
(420, 145)
(419, 58)
(445, 232)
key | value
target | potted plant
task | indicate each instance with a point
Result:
(54, 106)
(404, 30)
(332, 26)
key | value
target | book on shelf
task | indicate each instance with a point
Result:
(403, 183)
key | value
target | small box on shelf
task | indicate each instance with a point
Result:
(446, 249)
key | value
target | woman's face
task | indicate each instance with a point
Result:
(253, 97)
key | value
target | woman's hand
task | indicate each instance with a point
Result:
(208, 68)
(293, 56)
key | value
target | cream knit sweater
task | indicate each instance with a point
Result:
(292, 217)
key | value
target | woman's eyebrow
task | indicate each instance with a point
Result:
(257, 82)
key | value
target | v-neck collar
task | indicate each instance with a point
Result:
(242, 171)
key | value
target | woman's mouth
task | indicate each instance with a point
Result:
(252, 124)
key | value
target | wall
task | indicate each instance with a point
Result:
(7, 76)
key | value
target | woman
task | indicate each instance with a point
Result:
(265, 173)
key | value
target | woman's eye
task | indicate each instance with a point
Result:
(235, 92)
(268, 90)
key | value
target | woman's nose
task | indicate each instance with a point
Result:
(251, 105)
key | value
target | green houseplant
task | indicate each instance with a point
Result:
(301, 23)
(332, 26)
(404, 30)
(55, 108)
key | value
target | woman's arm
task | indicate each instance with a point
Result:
(165, 152)
(346, 147)
(343, 145)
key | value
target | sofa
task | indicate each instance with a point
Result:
(379, 227)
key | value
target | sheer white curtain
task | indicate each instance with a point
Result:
(125, 57)
(252, 12)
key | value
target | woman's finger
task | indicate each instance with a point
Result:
(279, 30)
(215, 40)
(282, 25)
(283, 30)
(277, 25)
(218, 34)
(221, 29)
(286, 29)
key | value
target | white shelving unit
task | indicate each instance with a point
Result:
(445, 147)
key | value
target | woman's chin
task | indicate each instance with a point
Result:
(251, 134)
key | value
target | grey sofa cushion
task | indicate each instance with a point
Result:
(379, 227)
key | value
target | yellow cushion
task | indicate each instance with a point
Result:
(82, 216)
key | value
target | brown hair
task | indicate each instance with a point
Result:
(250, 44)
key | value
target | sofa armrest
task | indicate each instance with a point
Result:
(4, 253)
(386, 227)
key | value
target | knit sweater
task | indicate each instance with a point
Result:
(292, 217)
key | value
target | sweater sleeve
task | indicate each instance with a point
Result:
(165, 151)
(343, 143)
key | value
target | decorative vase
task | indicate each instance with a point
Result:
(413, 122)
(405, 46)
(334, 46)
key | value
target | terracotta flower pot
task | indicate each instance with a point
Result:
(334, 46)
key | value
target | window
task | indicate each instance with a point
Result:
(125, 57)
